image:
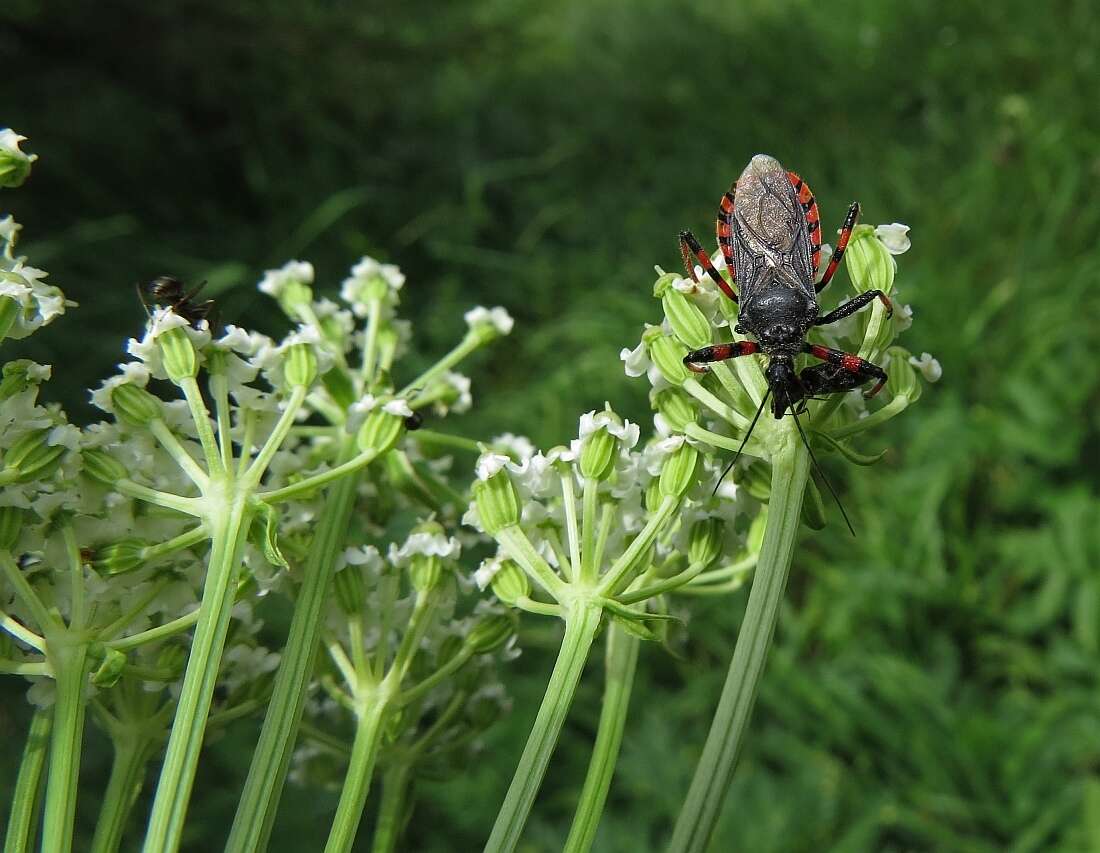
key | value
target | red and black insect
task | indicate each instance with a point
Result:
(769, 231)
(169, 292)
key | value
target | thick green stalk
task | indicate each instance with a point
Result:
(24, 805)
(581, 621)
(391, 811)
(271, 760)
(621, 660)
(229, 530)
(132, 754)
(69, 658)
(364, 752)
(701, 809)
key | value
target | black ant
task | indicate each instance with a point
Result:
(168, 292)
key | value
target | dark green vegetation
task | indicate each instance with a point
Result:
(935, 682)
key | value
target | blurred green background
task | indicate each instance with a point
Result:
(934, 684)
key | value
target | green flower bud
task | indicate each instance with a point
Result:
(120, 557)
(301, 366)
(675, 407)
(217, 362)
(653, 494)
(705, 541)
(668, 355)
(32, 458)
(687, 321)
(102, 467)
(490, 633)
(11, 522)
(425, 572)
(19, 375)
(178, 353)
(678, 473)
(294, 295)
(487, 324)
(870, 265)
(510, 583)
(482, 711)
(340, 387)
(598, 455)
(756, 480)
(350, 589)
(135, 405)
(450, 647)
(497, 502)
(110, 670)
(15, 166)
(9, 312)
(380, 431)
(902, 378)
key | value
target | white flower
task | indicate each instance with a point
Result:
(623, 430)
(366, 555)
(9, 230)
(487, 571)
(356, 288)
(903, 317)
(426, 544)
(496, 318)
(461, 386)
(929, 367)
(133, 372)
(490, 464)
(275, 282)
(516, 445)
(635, 361)
(895, 237)
(399, 407)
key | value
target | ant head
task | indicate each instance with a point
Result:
(784, 384)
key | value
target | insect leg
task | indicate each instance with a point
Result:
(848, 371)
(719, 352)
(724, 230)
(853, 305)
(841, 245)
(689, 246)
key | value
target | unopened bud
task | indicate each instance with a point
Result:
(675, 407)
(706, 540)
(178, 354)
(870, 264)
(510, 583)
(135, 405)
(668, 355)
(300, 366)
(120, 557)
(31, 457)
(15, 165)
(497, 502)
(11, 522)
(110, 670)
(9, 312)
(902, 378)
(102, 467)
(688, 323)
(350, 589)
(679, 470)
(490, 633)
(380, 431)
(18, 375)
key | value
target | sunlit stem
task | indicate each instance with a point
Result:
(26, 804)
(667, 585)
(569, 503)
(168, 629)
(178, 452)
(895, 407)
(274, 441)
(21, 632)
(466, 346)
(752, 448)
(588, 530)
(519, 548)
(623, 569)
(310, 484)
(69, 658)
(219, 388)
(201, 417)
(76, 578)
(188, 506)
(370, 347)
(727, 413)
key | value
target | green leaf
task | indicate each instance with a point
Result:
(270, 539)
(847, 452)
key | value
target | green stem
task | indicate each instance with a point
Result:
(271, 760)
(440, 439)
(25, 798)
(894, 407)
(588, 530)
(519, 548)
(188, 506)
(132, 754)
(464, 347)
(69, 657)
(314, 482)
(176, 626)
(619, 575)
(274, 441)
(353, 797)
(581, 621)
(229, 529)
(201, 417)
(26, 593)
(726, 413)
(177, 451)
(666, 585)
(370, 348)
(391, 811)
(621, 660)
(701, 809)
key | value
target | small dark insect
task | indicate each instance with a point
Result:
(414, 421)
(168, 292)
(769, 231)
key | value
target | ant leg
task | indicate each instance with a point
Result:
(849, 371)
(841, 245)
(853, 305)
(719, 352)
(192, 293)
(690, 246)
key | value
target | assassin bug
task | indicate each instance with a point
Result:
(769, 231)
(168, 291)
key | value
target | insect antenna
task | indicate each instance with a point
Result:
(824, 479)
(745, 441)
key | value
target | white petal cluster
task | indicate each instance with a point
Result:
(356, 287)
(275, 282)
(426, 544)
(496, 318)
(928, 366)
(895, 237)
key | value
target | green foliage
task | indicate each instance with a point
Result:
(934, 681)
